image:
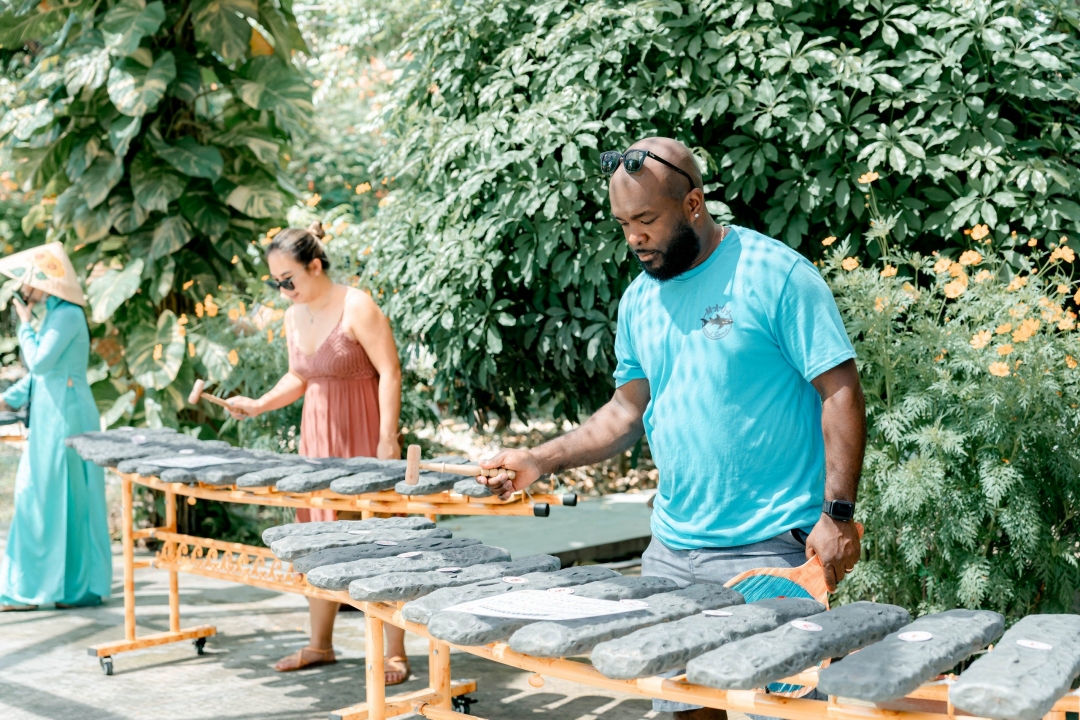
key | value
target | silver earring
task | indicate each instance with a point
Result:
(697, 215)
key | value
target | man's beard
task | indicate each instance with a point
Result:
(682, 251)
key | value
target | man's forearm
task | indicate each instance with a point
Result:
(610, 431)
(843, 421)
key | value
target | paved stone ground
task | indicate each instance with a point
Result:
(46, 673)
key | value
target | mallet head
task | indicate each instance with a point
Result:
(196, 392)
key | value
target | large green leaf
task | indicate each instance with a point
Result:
(125, 214)
(188, 77)
(163, 278)
(222, 25)
(82, 156)
(88, 69)
(123, 405)
(266, 83)
(155, 185)
(16, 32)
(154, 355)
(189, 157)
(91, 225)
(202, 211)
(258, 139)
(258, 200)
(215, 359)
(39, 166)
(24, 121)
(128, 22)
(137, 90)
(113, 289)
(171, 234)
(122, 131)
(101, 178)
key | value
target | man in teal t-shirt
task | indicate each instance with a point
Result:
(733, 359)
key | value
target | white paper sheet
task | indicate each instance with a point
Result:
(190, 461)
(541, 605)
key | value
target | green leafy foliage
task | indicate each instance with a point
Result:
(497, 249)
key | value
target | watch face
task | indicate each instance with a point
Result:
(841, 509)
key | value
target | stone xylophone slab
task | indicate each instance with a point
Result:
(108, 453)
(294, 546)
(312, 481)
(419, 611)
(338, 577)
(465, 629)
(574, 637)
(471, 488)
(368, 482)
(267, 476)
(653, 650)
(1032, 666)
(145, 454)
(759, 660)
(196, 474)
(411, 585)
(428, 484)
(334, 556)
(277, 532)
(915, 654)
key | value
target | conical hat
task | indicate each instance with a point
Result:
(47, 268)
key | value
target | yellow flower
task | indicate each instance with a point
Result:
(51, 265)
(956, 288)
(880, 304)
(157, 351)
(234, 357)
(1017, 283)
(888, 271)
(942, 265)
(210, 305)
(941, 357)
(971, 257)
(999, 369)
(983, 275)
(363, 188)
(1004, 350)
(850, 263)
(198, 309)
(978, 233)
(269, 335)
(1003, 328)
(313, 200)
(1068, 322)
(980, 339)
(188, 284)
(1063, 252)
(1063, 289)
(234, 314)
(957, 270)
(829, 240)
(868, 178)
(1032, 242)
(1070, 361)
(1027, 328)
(191, 349)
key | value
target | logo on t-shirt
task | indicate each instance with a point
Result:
(716, 322)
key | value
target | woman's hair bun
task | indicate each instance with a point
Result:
(302, 244)
(316, 229)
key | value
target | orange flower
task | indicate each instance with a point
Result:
(971, 257)
(313, 200)
(956, 288)
(1032, 242)
(980, 339)
(191, 349)
(850, 263)
(910, 291)
(888, 271)
(363, 188)
(1003, 328)
(1070, 361)
(234, 357)
(880, 304)
(829, 240)
(978, 233)
(1004, 350)
(270, 335)
(957, 270)
(1026, 330)
(942, 265)
(157, 352)
(1063, 252)
(999, 369)
(1018, 311)
(1068, 322)
(188, 284)
(868, 178)
(1017, 283)
(983, 275)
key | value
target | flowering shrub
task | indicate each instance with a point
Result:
(971, 486)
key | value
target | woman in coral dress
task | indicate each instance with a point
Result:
(344, 363)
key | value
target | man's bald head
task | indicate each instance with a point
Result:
(675, 185)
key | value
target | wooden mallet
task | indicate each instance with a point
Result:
(197, 394)
(414, 466)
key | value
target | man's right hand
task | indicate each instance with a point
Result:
(522, 462)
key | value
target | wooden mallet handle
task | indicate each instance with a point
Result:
(197, 394)
(414, 466)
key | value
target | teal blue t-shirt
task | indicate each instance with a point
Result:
(729, 349)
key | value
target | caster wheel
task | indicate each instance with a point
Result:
(106, 665)
(463, 703)
(200, 646)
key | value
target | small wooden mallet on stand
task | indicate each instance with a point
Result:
(414, 466)
(197, 394)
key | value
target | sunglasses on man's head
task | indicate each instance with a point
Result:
(633, 160)
(286, 284)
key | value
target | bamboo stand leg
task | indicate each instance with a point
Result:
(439, 673)
(376, 678)
(129, 559)
(174, 581)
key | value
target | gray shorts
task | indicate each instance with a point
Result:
(717, 565)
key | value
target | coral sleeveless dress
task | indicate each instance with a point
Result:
(341, 403)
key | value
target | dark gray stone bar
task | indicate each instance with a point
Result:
(429, 484)
(333, 556)
(295, 546)
(272, 534)
(411, 585)
(1033, 665)
(670, 646)
(419, 611)
(574, 637)
(791, 648)
(369, 481)
(461, 628)
(338, 577)
(468, 486)
(267, 477)
(312, 481)
(914, 654)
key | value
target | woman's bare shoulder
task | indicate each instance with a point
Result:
(360, 302)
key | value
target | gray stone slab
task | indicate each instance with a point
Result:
(333, 556)
(108, 453)
(338, 577)
(468, 486)
(147, 453)
(277, 532)
(670, 646)
(574, 637)
(428, 484)
(419, 611)
(465, 629)
(368, 482)
(759, 660)
(1032, 666)
(900, 663)
(190, 475)
(312, 481)
(295, 546)
(267, 476)
(228, 474)
(411, 585)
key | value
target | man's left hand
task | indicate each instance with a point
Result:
(837, 545)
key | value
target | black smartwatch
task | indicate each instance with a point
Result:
(840, 510)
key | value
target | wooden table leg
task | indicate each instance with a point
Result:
(126, 489)
(439, 672)
(376, 678)
(174, 576)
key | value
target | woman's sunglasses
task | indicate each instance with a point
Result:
(633, 160)
(286, 284)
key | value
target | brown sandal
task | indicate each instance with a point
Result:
(400, 660)
(299, 659)
(17, 608)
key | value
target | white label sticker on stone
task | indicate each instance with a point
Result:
(515, 580)
(138, 439)
(359, 532)
(716, 613)
(914, 636)
(385, 542)
(635, 604)
(561, 591)
(414, 553)
(540, 605)
(449, 570)
(1034, 645)
(187, 451)
(805, 625)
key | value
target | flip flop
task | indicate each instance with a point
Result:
(400, 660)
(300, 659)
(17, 608)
